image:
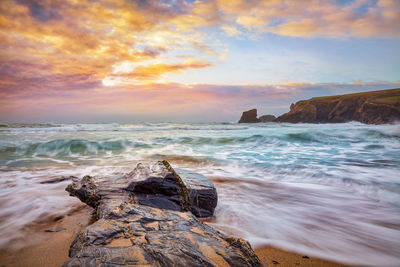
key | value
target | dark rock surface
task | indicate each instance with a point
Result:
(147, 217)
(54, 230)
(249, 116)
(57, 180)
(377, 107)
(161, 187)
(267, 118)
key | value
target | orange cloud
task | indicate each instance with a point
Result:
(152, 72)
(62, 43)
(361, 18)
(69, 44)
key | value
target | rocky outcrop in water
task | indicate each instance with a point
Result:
(267, 118)
(249, 116)
(148, 217)
(375, 107)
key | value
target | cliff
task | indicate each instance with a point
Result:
(377, 107)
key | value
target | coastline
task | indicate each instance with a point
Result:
(51, 248)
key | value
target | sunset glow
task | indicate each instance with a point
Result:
(188, 60)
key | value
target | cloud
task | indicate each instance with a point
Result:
(41, 12)
(87, 38)
(231, 30)
(46, 42)
(65, 47)
(203, 48)
(333, 19)
(129, 74)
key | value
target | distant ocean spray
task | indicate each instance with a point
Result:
(326, 190)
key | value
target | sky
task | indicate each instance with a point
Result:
(189, 61)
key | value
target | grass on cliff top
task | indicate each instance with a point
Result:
(389, 100)
(391, 96)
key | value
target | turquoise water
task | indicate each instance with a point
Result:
(327, 190)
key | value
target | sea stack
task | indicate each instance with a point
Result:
(249, 116)
(148, 217)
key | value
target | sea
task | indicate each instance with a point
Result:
(323, 190)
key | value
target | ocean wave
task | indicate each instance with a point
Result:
(369, 140)
(220, 140)
(183, 159)
(120, 127)
(28, 125)
(381, 134)
(295, 137)
(63, 147)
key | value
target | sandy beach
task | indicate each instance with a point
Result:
(50, 249)
(277, 257)
(43, 248)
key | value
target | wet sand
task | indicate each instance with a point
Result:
(42, 249)
(51, 248)
(277, 257)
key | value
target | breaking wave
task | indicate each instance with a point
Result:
(63, 147)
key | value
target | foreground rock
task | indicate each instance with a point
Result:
(147, 217)
(249, 116)
(377, 107)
